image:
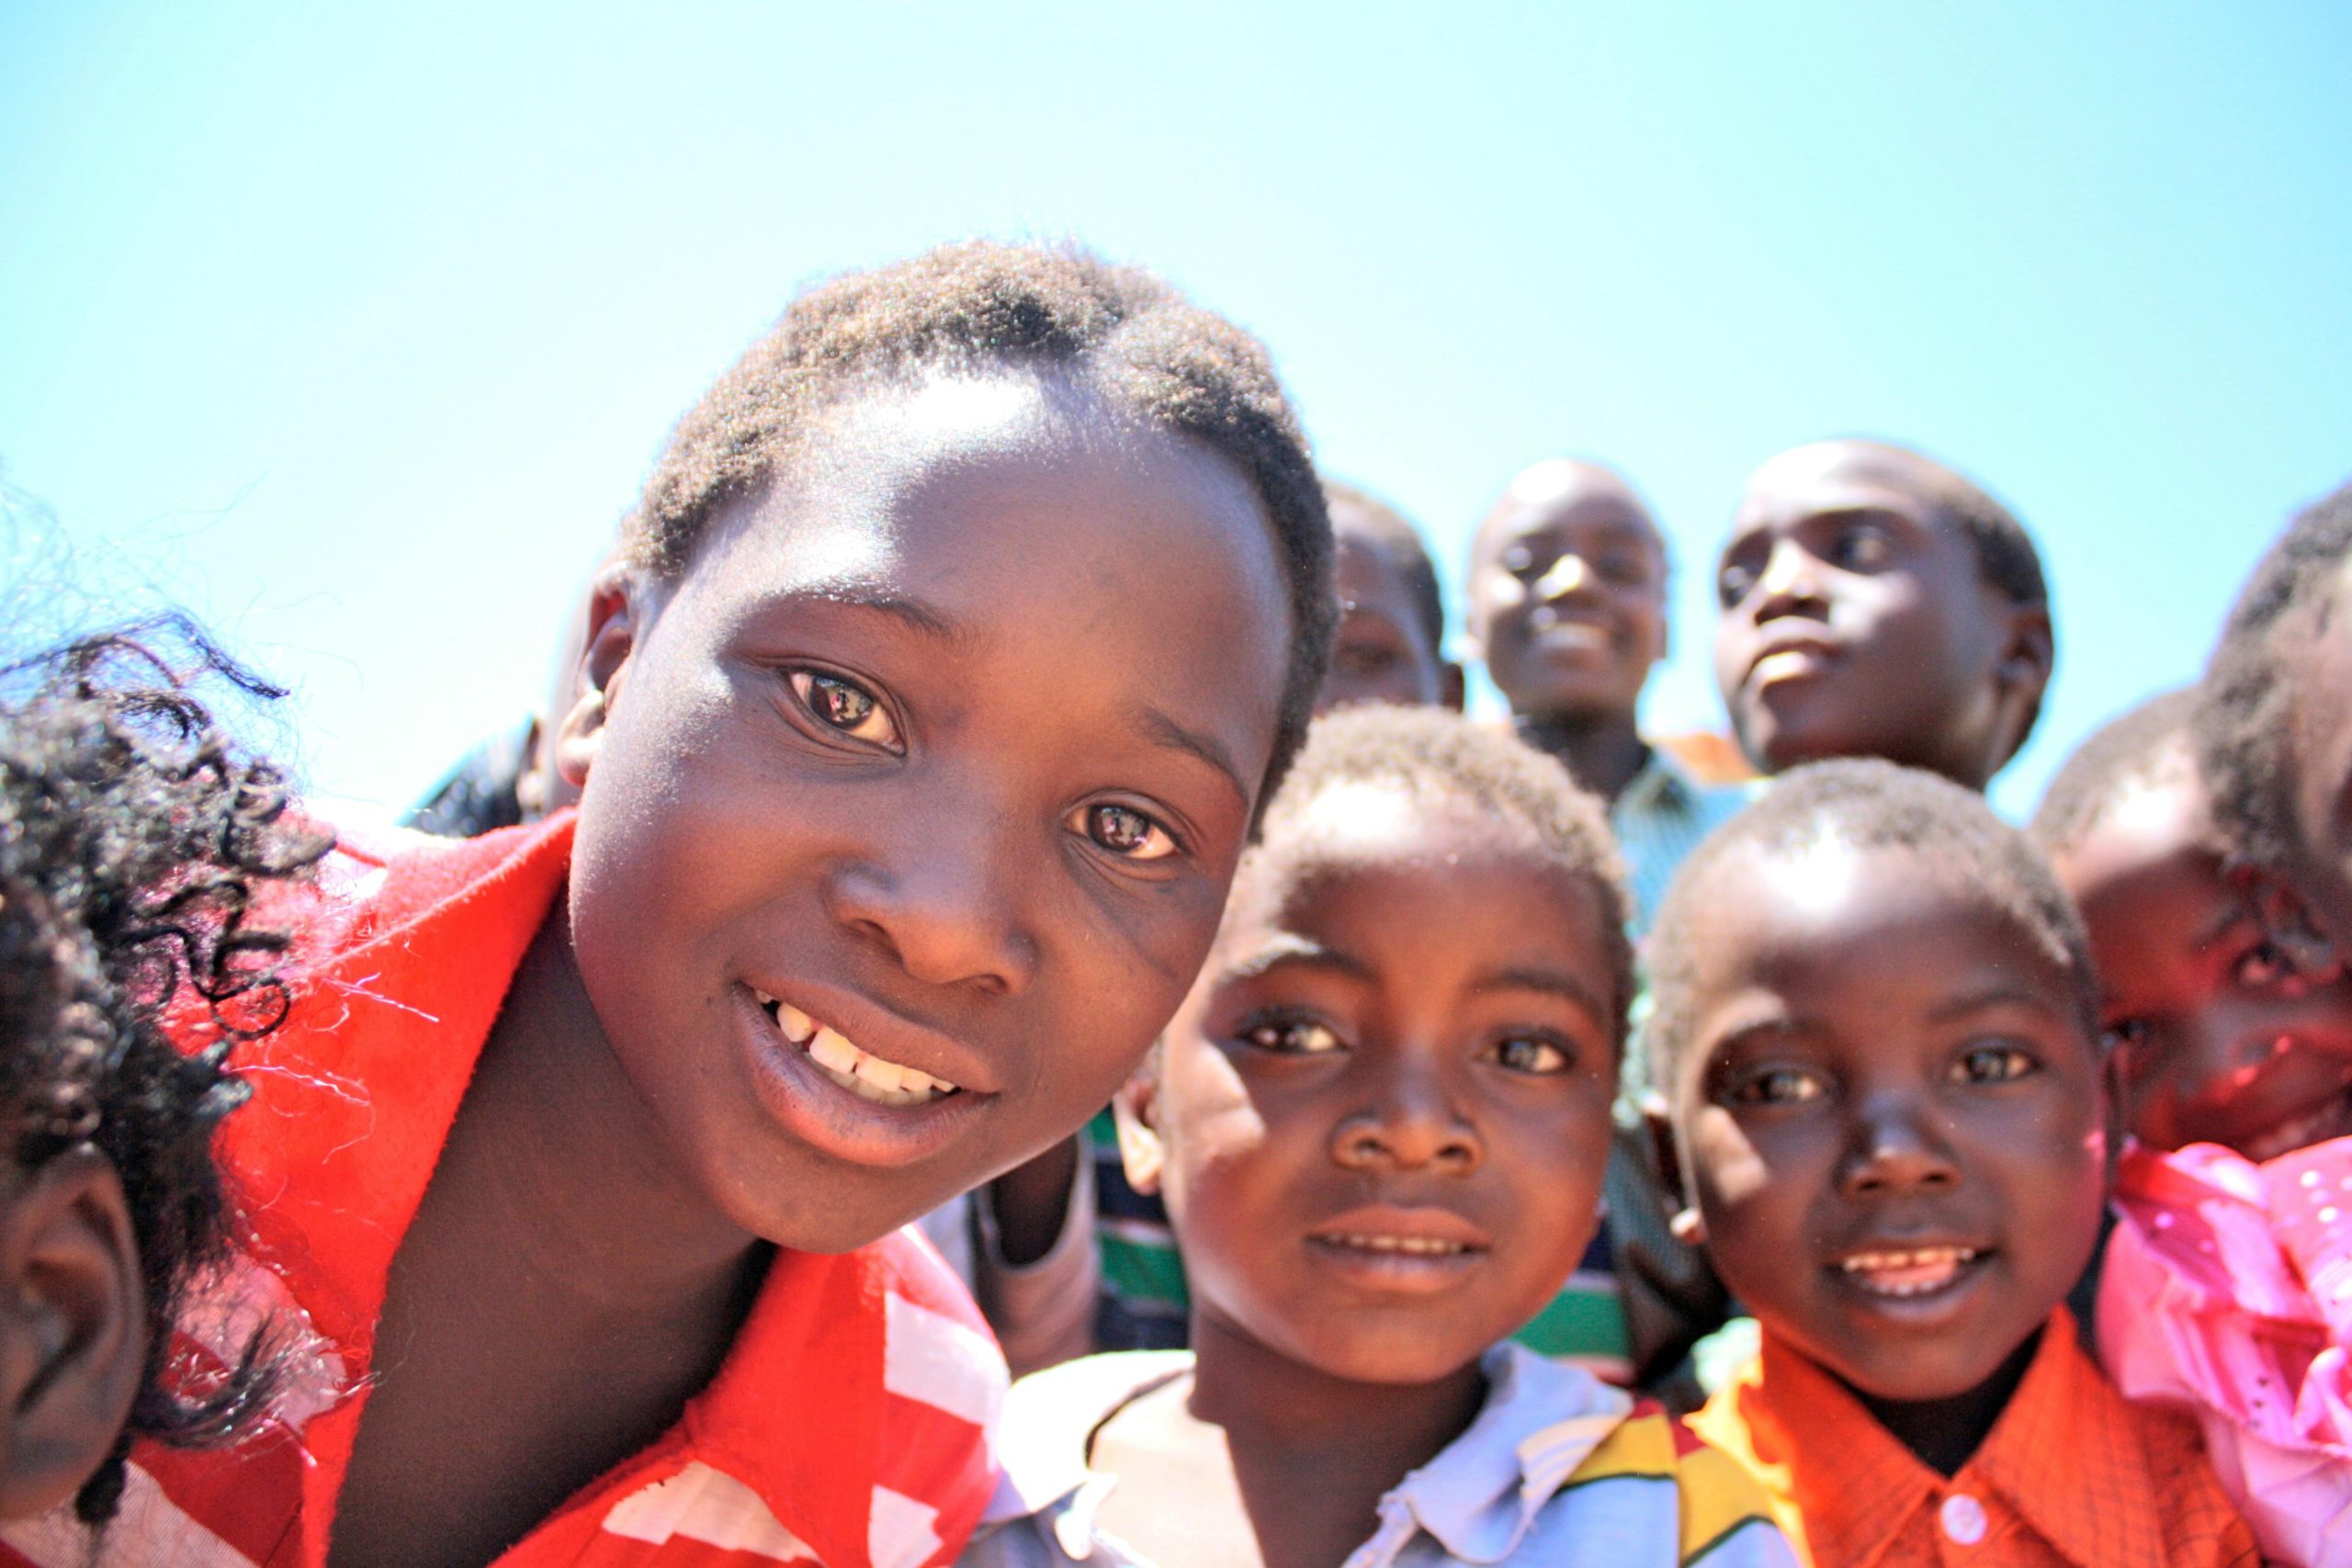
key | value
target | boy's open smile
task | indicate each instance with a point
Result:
(1411, 1249)
(1889, 1109)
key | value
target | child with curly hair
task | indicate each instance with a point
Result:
(135, 841)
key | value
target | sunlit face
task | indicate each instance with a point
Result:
(1856, 620)
(917, 801)
(2216, 1039)
(1568, 593)
(1382, 652)
(1384, 1111)
(1889, 1114)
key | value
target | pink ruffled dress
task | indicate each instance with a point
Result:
(2228, 1291)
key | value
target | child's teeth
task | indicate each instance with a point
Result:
(862, 1073)
(797, 1026)
(1425, 1246)
(832, 1050)
(1907, 1272)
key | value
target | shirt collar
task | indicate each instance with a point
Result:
(2063, 1454)
(1482, 1492)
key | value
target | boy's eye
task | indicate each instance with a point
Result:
(1864, 546)
(1733, 584)
(1291, 1036)
(2127, 1034)
(1532, 1054)
(846, 706)
(2262, 965)
(1126, 832)
(1991, 1064)
(1624, 568)
(1777, 1086)
(1520, 561)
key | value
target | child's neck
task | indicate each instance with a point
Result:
(1310, 1454)
(1946, 1433)
(1602, 751)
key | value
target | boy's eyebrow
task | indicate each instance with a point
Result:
(1170, 733)
(1285, 949)
(1545, 982)
(1999, 993)
(866, 593)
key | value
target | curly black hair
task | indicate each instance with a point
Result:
(983, 306)
(2244, 720)
(1435, 756)
(135, 841)
(1863, 803)
(1391, 533)
(2145, 746)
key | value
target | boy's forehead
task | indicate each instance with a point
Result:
(1835, 475)
(1562, 492)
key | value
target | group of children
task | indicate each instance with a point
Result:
(990, 715)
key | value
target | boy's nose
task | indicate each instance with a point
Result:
(1791, 582)
(1567, 575)
(1410, 1125)
(1894, 1151)
(943, 904)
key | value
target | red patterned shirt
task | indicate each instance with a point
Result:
(848, 1426)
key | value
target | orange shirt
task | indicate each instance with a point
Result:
(847, 1425)
(2070, 1476)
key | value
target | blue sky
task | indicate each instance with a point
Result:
(354, 327)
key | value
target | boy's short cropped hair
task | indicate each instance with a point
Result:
(2243, 718)
(2148, 745)
(1437, 757)
(1403, 546)
(979, 307)
(1861, 803)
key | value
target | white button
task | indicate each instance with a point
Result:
(1964, 1519)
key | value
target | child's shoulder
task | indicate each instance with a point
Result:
(1050, 1416)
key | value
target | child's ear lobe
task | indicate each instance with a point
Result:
(1665, 1163)
(72, 1328)
(1140, 1149)
(620, 609)
(2030, 653)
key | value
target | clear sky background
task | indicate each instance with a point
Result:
(354, 327)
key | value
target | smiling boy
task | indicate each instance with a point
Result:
(1876, 1024)
(1877, 604)
(960, 630)
(1381, 1119)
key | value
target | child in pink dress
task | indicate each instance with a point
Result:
(2227, 1286)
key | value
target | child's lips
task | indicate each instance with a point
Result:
(835, 1095)
(1900, 1273)
(1396, 1249)
(1786, 658)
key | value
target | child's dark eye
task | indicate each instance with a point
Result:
(1733, 584)
(1991, 1064)
(844, 705)
(1624, 568)
(1532, 1054)
(1864, 546)
(2262, 965)
(1521, 561)
(1777, 1086)
(1290, 1036)
(1122, 830)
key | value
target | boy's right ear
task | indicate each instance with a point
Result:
(73, 1328)
(1133, 1110)
(1665, 1163)
(621, 605)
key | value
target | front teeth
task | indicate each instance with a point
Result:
(1907, 1273)
(1421, 1245)
(862, 1073)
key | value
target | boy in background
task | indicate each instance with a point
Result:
(1877, 604)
